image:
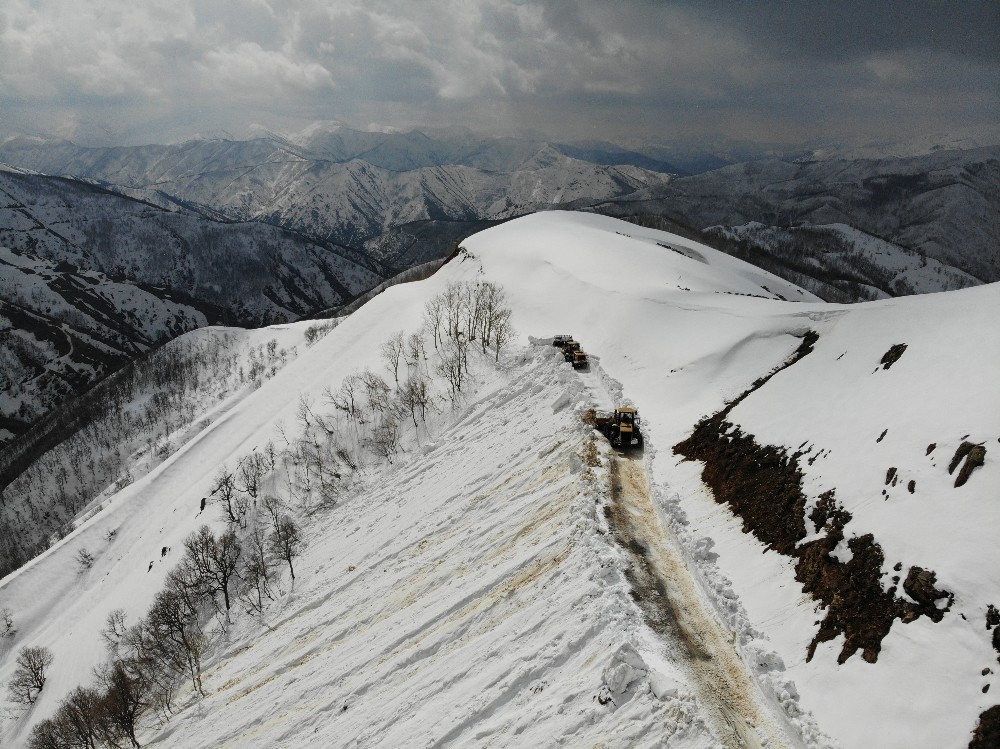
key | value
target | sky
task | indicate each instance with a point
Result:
(110, 72)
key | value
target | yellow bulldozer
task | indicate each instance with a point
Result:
(574, 354)
(621, 428)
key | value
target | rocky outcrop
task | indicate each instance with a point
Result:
(762, 484)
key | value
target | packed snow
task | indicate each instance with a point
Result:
(472, 592)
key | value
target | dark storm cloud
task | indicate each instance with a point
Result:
(165, 69)
(842, 30)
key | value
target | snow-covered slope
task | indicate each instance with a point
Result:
(89, 278)
(839, 260)
(254, 273)
(65, 327)
(485, 588)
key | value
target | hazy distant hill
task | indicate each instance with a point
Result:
(346, 186)
(939, 212)
(89, 278)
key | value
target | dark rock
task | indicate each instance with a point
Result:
(882, 436)
(919, 585)
(930, 448)
(762, 484)
(975, 456)
(890, 476)
(891, 356)
(987, 733)
(992, 616)
(911, 486)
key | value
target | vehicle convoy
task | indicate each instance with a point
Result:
(574, 354)
(621, 428)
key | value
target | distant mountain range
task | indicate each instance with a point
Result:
(173, 237)
(345, 186)
(89, 278)
(939, 212)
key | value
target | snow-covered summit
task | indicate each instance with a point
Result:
(486, 587)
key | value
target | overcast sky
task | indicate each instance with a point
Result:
(139, 71)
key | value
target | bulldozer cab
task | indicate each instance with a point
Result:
(626, 417)
(621, 428)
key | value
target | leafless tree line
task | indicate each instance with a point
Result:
(150, 659)
(105, 430)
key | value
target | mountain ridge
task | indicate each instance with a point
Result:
(538, 607)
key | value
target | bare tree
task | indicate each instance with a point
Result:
(384, 439)
(251, 471)
(414, 395)
(433, 317)
(376, 390)
(256, 570)
(392, 352)
(450, 367)
(76, 719)
(215, 560)
(349, 389)
(453, 301)
(493, 301)
(227, 494)
(46, 734)
(178, 639)
(126, 698)
(6, 622)
(285, 542)
(474, 310)
(114, 631)
(308, 417)
(29, 675)
(275, 508)
(503, 331)
(415, 349)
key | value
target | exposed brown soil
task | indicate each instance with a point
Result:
(763, 486)
(987, 733)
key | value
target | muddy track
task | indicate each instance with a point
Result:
(675, 609)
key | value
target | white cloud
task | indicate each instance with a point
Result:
(248, 70)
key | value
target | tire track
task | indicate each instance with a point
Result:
(674, 608)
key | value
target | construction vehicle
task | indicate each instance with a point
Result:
(574, 354)
(561, 340)
(621, 428)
